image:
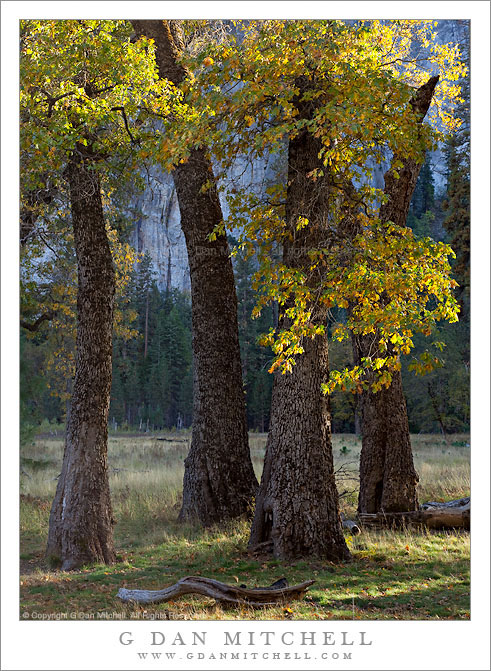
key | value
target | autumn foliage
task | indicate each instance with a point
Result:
(88, 82)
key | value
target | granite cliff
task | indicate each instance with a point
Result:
(157, 229)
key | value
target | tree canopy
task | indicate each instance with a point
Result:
(360, 78)
(90, 82)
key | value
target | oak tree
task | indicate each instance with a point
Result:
(219, 479)
(75, 84)
(336, 99)
(388, 479)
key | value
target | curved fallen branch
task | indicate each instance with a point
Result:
(221, 592)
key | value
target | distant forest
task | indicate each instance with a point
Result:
(152, 350)
(152, 369)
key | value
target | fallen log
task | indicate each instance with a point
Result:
(174, 440)
(351, 525)
(449, 515)
(457, 503)
(257, 597)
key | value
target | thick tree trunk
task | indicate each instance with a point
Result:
(297, 505)
(80, 524)
(388, 479)
(219, 479)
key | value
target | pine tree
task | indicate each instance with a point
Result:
(457, 201)
(255, 357)
(423, 199)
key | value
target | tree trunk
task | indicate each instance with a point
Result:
(80, 524)
(437, 411)
(297, 505)
(388, 479)
(219, 479)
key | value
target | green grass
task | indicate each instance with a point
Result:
(405, 574)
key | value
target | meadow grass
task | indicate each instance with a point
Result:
(404, 574)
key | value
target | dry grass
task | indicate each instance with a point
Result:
(394, 575)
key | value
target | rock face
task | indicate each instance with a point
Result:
(157, 230)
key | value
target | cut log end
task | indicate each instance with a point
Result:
(352, 526)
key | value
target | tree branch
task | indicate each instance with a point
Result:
(52, 101)
(399, 189)
(47, 316)
(123, 113)
(30, 206)
(225, 594)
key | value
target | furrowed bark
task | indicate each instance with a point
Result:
(81, 522)
(297, 505)
(219, 480)
(388, 479)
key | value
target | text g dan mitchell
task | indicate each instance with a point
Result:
(251, 638)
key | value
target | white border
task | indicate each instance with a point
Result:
(404, 645)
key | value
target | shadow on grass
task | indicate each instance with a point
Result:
(423, 602)
(369, 587)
